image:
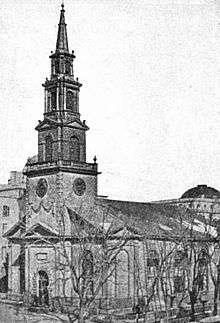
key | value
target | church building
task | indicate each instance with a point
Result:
(58, 183)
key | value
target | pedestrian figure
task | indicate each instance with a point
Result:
(137, 310)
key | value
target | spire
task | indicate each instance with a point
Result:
(62, 41)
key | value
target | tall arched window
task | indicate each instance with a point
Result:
(122, 275)
(74, 149)
(43, 288)
(71, 101)
(68, 67)
(49, 148)
(53, 100)
(152, 258)
(87, 271)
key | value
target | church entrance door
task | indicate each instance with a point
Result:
(43, 288)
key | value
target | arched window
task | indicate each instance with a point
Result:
(180, 258)
(179, 284)
(203, 258)
(87, 269)
(49, 148)
(71, 101)
(152, 258)
(122, 275)
(74, 149)
(57, 67)
(68, 68)
(5, 210)
(53, 100)
(43, 288)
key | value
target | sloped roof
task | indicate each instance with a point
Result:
(141, 220)
(156, 221)
(81, 226)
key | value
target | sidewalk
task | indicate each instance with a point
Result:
(12, 314)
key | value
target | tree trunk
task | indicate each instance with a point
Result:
(81, 318)
(216, 291)
(192, 303)
(192, 314)
(215, 310)
(172, 297)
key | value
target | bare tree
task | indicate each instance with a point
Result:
(209, 225)
(86, 258)
(157, 285)
(172, 282)
(195, 271)
(212, 233)
(167, 276)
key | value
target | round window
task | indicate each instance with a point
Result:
(79, 186)
(41, 189)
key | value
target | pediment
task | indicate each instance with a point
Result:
(76, 123)
(14, 230)
(40, 230)
(37, 230)
(46, 123)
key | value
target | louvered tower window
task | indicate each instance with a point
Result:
(74, 149)
(49, 148)
(71, 101)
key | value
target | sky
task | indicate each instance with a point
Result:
(151, 89)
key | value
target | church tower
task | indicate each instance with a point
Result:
(61, 135)
(60, 171)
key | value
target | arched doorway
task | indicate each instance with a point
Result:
(43, 288)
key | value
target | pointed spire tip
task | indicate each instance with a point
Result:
(62, 41)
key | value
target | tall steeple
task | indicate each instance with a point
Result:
(62, 59)
(62, 41)
(62, 90)
(62, 135)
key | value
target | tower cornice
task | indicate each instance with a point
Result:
(75, 123)
(64, 54)
(47, 168)
(62, 78)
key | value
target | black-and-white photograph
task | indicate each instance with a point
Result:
(110, 161)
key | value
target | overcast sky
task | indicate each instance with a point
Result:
(151, 89)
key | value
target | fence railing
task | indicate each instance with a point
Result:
(119, 307)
